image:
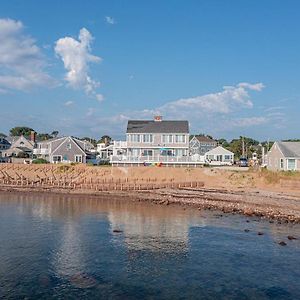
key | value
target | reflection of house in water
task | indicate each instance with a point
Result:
(68, 259)
(146, 231)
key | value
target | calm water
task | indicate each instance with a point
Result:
(55, 247)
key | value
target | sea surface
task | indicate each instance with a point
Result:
(79, 247)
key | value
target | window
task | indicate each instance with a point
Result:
(291, 164)
(179, 152)
(281, 164)
(147, 138)
(147, 152)
(180, 138)
(135, 152)
(167, 138)
(69, 146)
(166, 152)
(135, 138)
(78, 158)
(57, 158)
(228, 157)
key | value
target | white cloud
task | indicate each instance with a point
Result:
(110, 20)
(69, 103)
(99, 97)
(90, 112)
(76, 56)
(21, 61)
(230, 99)
(255, 87)
(248, 121)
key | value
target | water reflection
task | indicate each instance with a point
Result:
(56, 245)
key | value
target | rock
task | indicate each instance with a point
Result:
(290, 237)
(117, 231)
(260, 233)
(282, 243)
(246, 230)
(247, 221)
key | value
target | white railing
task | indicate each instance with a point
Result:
(41, 151)
(153, 159)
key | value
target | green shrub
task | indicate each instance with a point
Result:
(40, 161)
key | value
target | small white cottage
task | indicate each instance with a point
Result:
(219, 156)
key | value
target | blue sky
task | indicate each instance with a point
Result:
(85, 67)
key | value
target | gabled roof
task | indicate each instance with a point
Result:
(151, 126)
(218, 151)
(289, 149)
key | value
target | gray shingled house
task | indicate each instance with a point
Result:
(284, 156)
(64, 149)
(153, 138)
(200, 144)
(155, 141)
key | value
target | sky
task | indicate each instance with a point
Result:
(84, 68)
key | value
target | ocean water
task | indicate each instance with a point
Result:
(79, 247)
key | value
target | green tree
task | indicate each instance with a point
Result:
(89, 139)
(44, 136)
(55, 133)
(18, 131)
(105, 139)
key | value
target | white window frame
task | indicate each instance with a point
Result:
(281, 163)
(78, 158)
(288, 166)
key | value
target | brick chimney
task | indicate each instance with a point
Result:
(157, 118)
(33, 136)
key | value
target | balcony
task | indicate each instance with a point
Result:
(41, 151)
(154, 159)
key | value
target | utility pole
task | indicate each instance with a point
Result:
(243, 147)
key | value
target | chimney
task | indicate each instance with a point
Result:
(33, 136)
(157, 118)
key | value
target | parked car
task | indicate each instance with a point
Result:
(243, 162)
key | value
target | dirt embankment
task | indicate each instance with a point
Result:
(259, 193)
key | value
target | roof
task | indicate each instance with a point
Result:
(218, 151)
(289, 149)
(203, 138)
(151, 126)
(4, 141)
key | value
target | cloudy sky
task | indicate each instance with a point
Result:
(85, 67)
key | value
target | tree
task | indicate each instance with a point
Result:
(2, 135)
(89, 139)
(44, 136)
(223, 142)
(105, 139)
(18, 131)
(250, 146)
(54, 133)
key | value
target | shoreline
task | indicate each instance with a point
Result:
(273, 206)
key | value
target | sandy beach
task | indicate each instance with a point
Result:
(253, 193)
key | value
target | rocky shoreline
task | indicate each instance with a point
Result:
(274, 206)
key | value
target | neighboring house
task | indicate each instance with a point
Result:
(20, 146)
(4, 145)
(200, 144)
(105, 151)
(284, 156)
(64, 149)
(156, 141)
(219, 156)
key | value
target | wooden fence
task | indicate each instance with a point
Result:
(82, 179)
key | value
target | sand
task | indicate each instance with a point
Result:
(253, 193)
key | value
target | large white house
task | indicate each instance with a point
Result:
(154, 141)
